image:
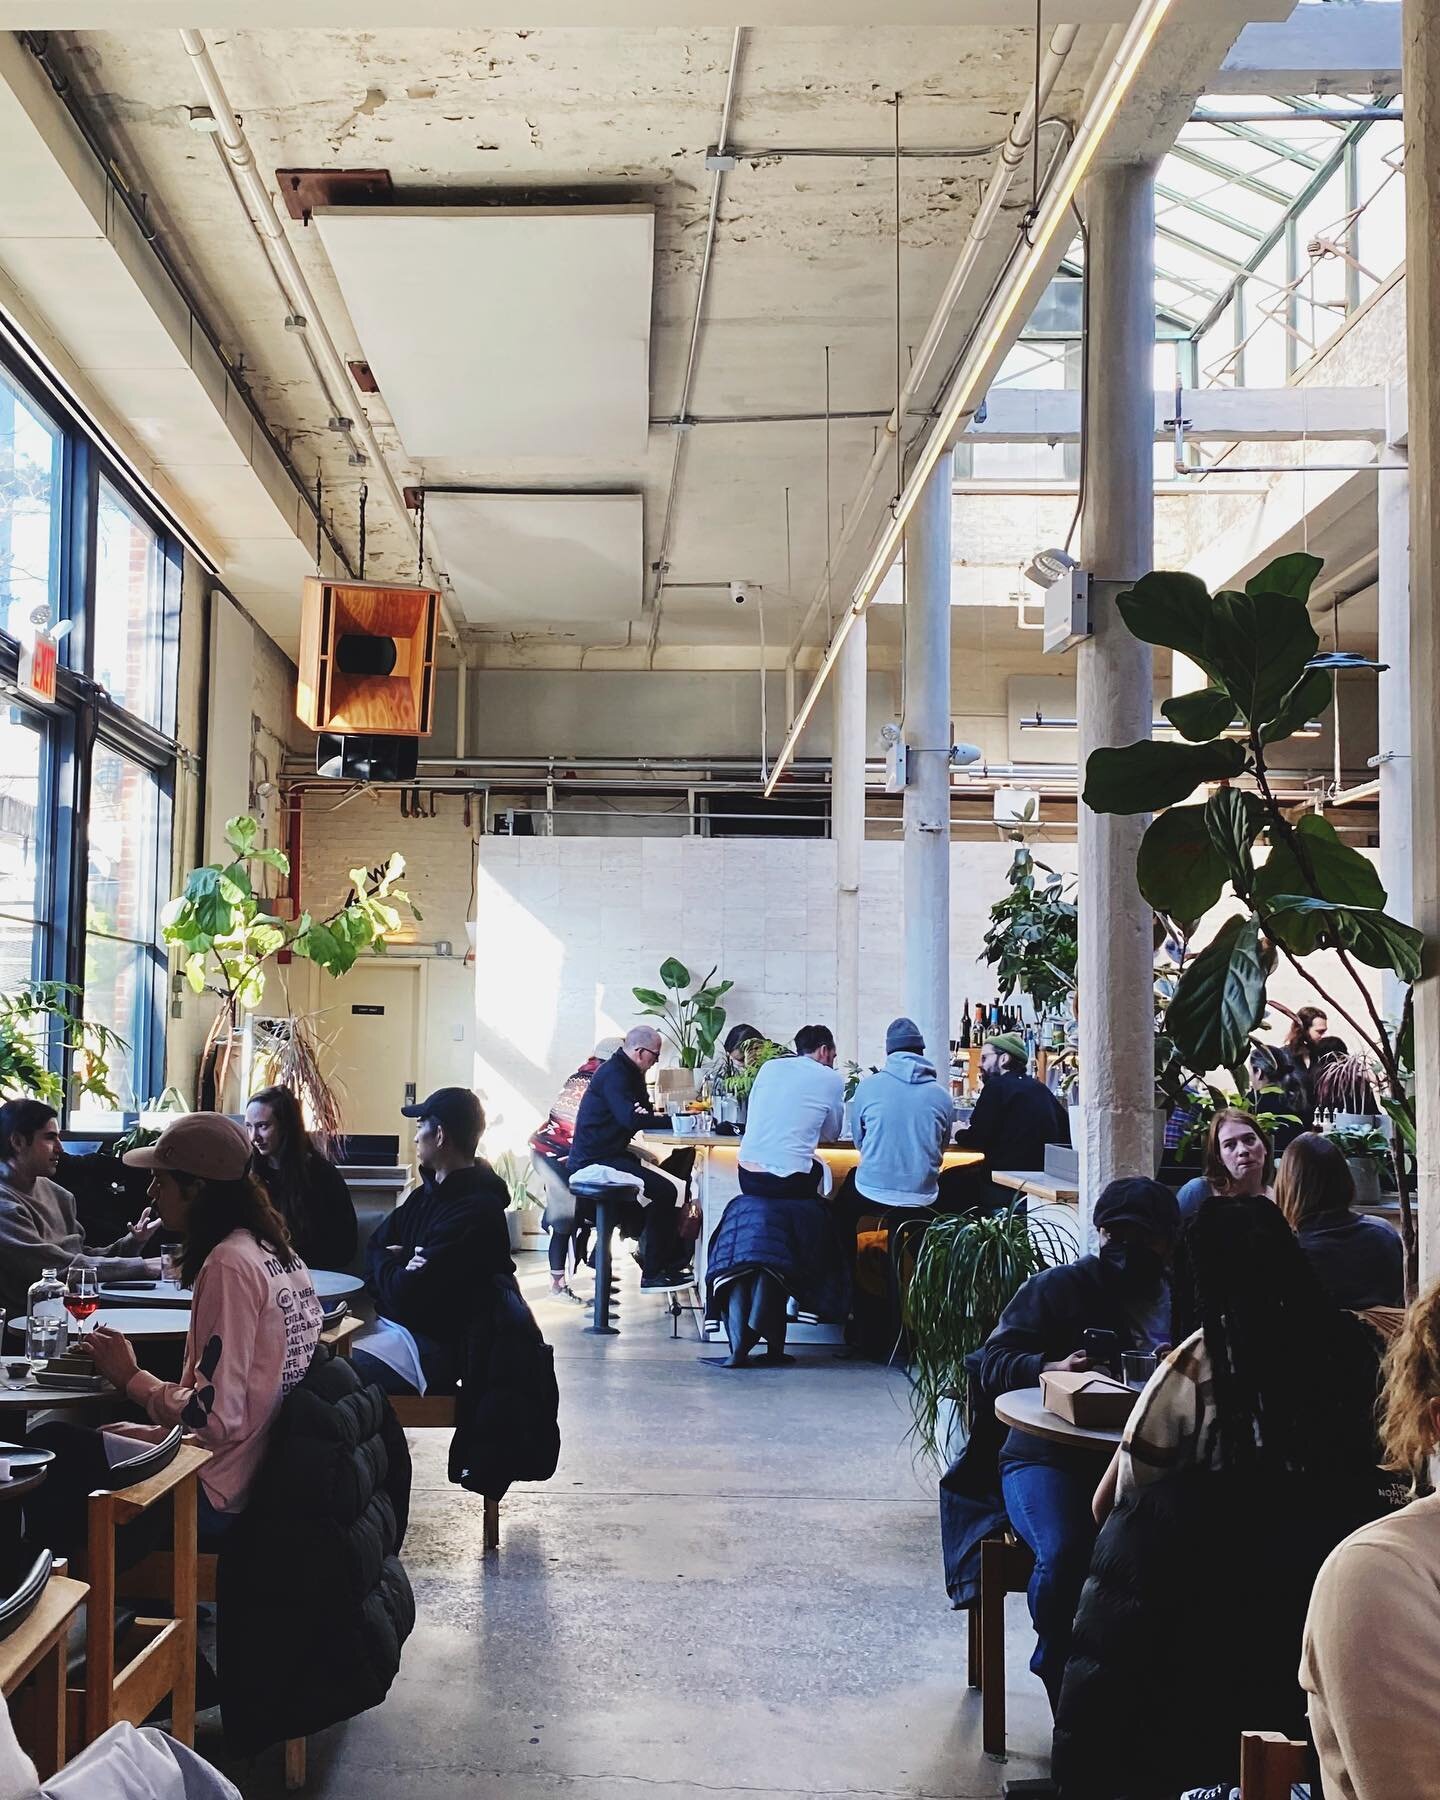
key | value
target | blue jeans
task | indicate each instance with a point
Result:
(1049, 1506)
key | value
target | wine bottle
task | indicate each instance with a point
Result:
(965, 1025)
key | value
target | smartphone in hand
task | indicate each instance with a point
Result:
(1103, 1350)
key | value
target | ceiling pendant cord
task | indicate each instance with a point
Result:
(1032, 212)
(829, 529)
(364, 496)
(899, 369)
(319, 517)
(420, 523)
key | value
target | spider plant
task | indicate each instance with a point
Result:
(967, 1270)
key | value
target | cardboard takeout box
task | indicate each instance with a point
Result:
(1088, 1399)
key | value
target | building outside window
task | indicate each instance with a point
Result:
(92, 775)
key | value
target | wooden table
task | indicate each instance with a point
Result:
(330, 1284)
(37, 1647)
(1056, 1189)
(1023, 1410)
(134, 1321)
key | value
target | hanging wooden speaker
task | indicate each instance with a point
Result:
(367, 658)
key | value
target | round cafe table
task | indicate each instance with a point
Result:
(28, 1469)
(134, 1321)
(1023, 1410)
(330, 1284)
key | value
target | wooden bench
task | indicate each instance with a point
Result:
(436, 1412)
(37, 1648)
(161, 1658)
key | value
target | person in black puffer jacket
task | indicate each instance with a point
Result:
(318, 1545)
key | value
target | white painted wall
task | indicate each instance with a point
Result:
(568, 926)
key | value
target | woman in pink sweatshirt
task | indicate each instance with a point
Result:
(254, 1321)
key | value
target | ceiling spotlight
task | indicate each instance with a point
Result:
(1049, 566)
(295, 321)
(1345, 659)
(202, 119)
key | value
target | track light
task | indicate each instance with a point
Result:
(1047, 567)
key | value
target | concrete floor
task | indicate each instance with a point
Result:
(731, 1587)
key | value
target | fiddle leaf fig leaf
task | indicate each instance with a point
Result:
(1179, 870)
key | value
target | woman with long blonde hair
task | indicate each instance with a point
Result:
(1372, 1638)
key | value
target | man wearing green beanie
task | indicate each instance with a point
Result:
(1014, 1118)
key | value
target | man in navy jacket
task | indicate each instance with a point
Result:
(615, 1106)
(430, 1266)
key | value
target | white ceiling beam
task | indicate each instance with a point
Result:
(419, 15)
(1351, 49)
(1216, 415)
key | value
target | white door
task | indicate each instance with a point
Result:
(375, 1016)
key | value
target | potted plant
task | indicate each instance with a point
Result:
(966, 1272)
(1345, 1088)
(1032, 941)
(515, 1172)
(1312, 892)
(36, 1014)
(1367, 1153)
(224, 930)
(753, 1058)
(690, 1016)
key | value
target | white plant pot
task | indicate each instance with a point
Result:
(1366, 1174)
(1345, 1121)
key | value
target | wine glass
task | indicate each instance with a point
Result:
(82, 1294)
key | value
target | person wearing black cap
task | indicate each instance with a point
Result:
(1015, 1117)
(430, 1266)
(1047, 1487)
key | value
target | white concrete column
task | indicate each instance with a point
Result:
(1397, 826)
(1116, 960)
(1420, 29)
(847, 827)
(927, 743)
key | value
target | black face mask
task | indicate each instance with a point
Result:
(1140, 1270)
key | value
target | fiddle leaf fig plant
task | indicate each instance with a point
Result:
(1312, 891)
(1032, 941)
(690, 1017)
(223, 928)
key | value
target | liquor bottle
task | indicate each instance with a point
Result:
(46, 1331)
(965, 1025)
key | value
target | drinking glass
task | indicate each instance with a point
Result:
(1138, 1366)
(82, 1294)
(43, 1337)
(169, 1264)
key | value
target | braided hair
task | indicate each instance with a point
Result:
(1295, 1377)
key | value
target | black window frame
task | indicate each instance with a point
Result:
(84, 716)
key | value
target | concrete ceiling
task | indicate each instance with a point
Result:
(805, 259)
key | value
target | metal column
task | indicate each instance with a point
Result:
(847, 827)
(926, 736)
(1116, 962)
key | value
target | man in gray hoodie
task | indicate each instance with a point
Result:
(903, 1118)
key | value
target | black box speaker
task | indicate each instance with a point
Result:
(362, 757)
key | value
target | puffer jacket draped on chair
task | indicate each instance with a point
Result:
(794, 1239)
(313, 1602)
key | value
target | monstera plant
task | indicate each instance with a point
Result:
(1312, 892)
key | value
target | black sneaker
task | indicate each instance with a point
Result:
(671, 1278)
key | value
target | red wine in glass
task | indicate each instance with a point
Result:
(80, 1306)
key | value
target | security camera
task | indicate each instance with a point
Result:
(737, 592)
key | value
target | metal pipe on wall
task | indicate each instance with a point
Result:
(265, 223)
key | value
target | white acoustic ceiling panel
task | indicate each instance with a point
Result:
(503, 331)
(522, 561)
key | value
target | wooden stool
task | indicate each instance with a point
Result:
(427, 1412)
(1271, 1764)
(163, 1649)
(336, 1338)
(1006, 1566)
(37, 1647)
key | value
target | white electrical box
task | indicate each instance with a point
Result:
(1067, 612)
(896, 768)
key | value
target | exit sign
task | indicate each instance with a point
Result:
(39, 665)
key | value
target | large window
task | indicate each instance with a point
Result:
(86, 785)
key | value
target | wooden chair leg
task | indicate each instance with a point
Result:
(294, 1764)
(183, 1602)
(492, 1524)
(976, 1668)
(49, 1747)
(992, 1647)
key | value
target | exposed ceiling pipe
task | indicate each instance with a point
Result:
(259, 209)
(681, 422)
(1012, 158)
